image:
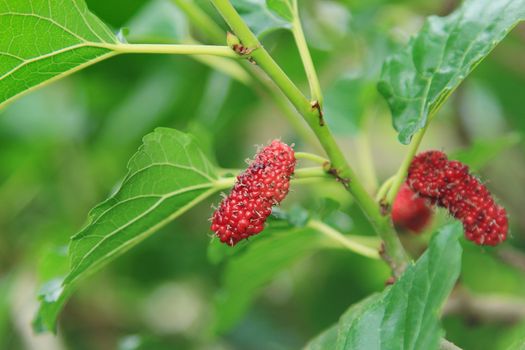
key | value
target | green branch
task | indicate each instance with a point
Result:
(312, 157)
(306, 58)
(345, 240)
(396, 255)
(214, 50)
(205, 23)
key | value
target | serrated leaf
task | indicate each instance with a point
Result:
(417, 80)
(256, 265)
(283, 8)
(166, 177)
(42, 40)
(259, 17)
(404, 316)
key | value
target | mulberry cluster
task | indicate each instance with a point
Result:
(411, 212)
(450, 185)
(264, 184)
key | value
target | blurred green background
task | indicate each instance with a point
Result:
(63, 149)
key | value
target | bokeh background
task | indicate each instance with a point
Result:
(63, 149)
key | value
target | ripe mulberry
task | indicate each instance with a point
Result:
(411, 212)
(450, 185)
(264, 184)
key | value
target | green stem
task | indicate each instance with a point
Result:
(346, 241)
(403, 169)
(224, 183)
(201, 20)
(310, 172)
(306, 58)
(380, 196)
(312, 157)
(214, 50)
(222, 64)
(396, 255)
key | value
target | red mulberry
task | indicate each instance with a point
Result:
(450, 185)
(411, 212)
(264, 184)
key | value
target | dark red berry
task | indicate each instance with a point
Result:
(264, 184)
(450, 185)
(411, 212)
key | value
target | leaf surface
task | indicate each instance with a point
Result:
(257, 265)
(42, 40)
(405, 315)
(418, 79)
(166, 177)
(283, 8)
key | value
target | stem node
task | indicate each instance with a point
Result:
(317, 106)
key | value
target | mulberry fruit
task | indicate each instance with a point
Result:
(410, 212)
(450, 185)
(264, 184)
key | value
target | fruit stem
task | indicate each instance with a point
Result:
(312, 157)
(380, 196)
(345, 240)
(401, 174)
(395, 254)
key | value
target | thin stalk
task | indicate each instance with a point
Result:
(396, 255)
(403, 169)
(214, 50)
(314, 171)
(346, 241)
(311, 74)
(381, 193)
(223, 183)
(312, 157)
(203, 21)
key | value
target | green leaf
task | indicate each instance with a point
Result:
(325, 340)
(43, 40)
(329, 339)
(404, 316)
(282, 8)
(257, 263)
(259, 17)
(167, 176)
(481, 152)
(417, 80)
